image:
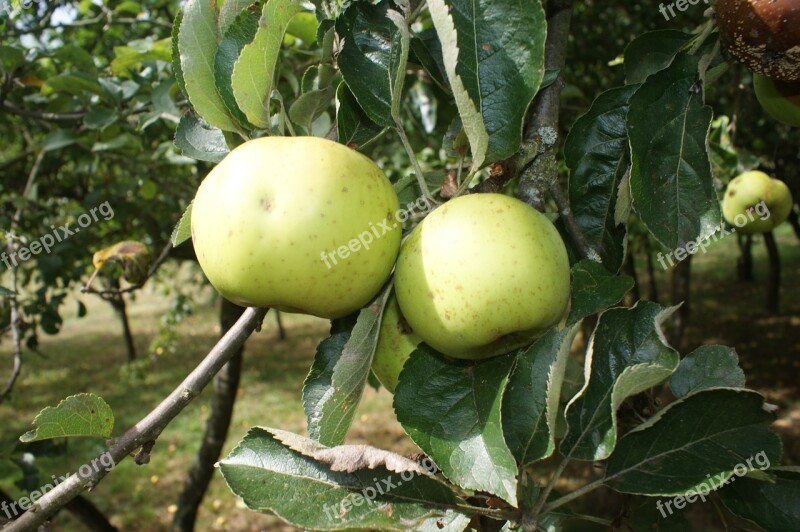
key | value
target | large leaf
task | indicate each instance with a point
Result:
(274, 471)
(671, 185)
(493, 53)
(694, 444)
(708, 366)
(774, 506)
(652, 52)
(78, 415)
(197, 45)
(230, 10)
(627, 354)
(596, 151)
(354, 126)
(594, 288)
(370, 57)
(453, 413)
(427, 50)
(240, 32)
(198, 140)
(254, 71)
(531, 399)
(339, 374)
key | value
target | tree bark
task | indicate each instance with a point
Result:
(774, 280)
(681, 277)
(744, 264)
(226, 384)
(121, 308)
(81, 507)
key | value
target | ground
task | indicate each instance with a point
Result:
(88, 355)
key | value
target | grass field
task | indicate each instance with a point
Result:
(88, 356)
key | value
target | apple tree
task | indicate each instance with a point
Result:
(469, 95)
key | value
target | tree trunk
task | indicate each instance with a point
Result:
(226, 384)
(744, 265)
(281, 330)
(794, 220)
(120, 307)
(681, 277)
(774, 280)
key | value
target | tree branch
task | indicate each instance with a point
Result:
(149, 428)
(16, 332)
(48, 117)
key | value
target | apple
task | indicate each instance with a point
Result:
(779, 98)
(396, 342)
(743, 208)
(764, 35)
(480, 273)
(304, 27)
(300, 224)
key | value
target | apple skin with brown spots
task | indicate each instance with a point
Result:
(478, 270)
(396, 342)
(266, 215)
(749, 189)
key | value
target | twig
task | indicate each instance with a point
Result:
(16, 333)
(48, 117)
(572, 226)
(146, 430)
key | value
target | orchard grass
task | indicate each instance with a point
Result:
(88, 355)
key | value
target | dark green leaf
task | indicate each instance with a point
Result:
(428, 51)
(453, 413)
(355, 127)
(671, 183)
(309, 106)
(338, 376)
(531, 399)
(627, 355)
(652, 52)
(493, 54)
(176, 56)
(198, 140)
(78, 415)
(99, 118)
(708, 366)
(774, 506)
(239, 33)
(596, 151)
(695, 444)
(370, 57)
(60, 138)
(594, 288)
(294, 478)
(5, 292)
(648, 516)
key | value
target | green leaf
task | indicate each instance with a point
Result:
(78, 415)
(627, 354)
(337, 378)
(708, 366)
(230, 10)
(531, 399)
(11, 58)
(671, 183)
(176, 56)
(5, 292)
(127, 58)
(309, 106)
(254, 71)
(99, 118)
(315, 487)
(647, 516)
(427, 49)
(453, 413)
(198, 140)
(596, 152)
(183, 229)
(240, 33)
(694, 444)
(774, 506)
(494, 59)
(60, 138)
(78, 84)
(652, 52)
(594, 288)
(197, 44)
(370, 57)
(354, 126)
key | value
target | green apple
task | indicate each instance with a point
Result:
(780, 99)
(396, 342)
(756, 203)
(304, 26)
(301, 224)
(479, 270)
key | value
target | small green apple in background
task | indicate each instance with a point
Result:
(740, 206)
(478, 269)
(780, 99)
(396, 342)
(268, 220)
